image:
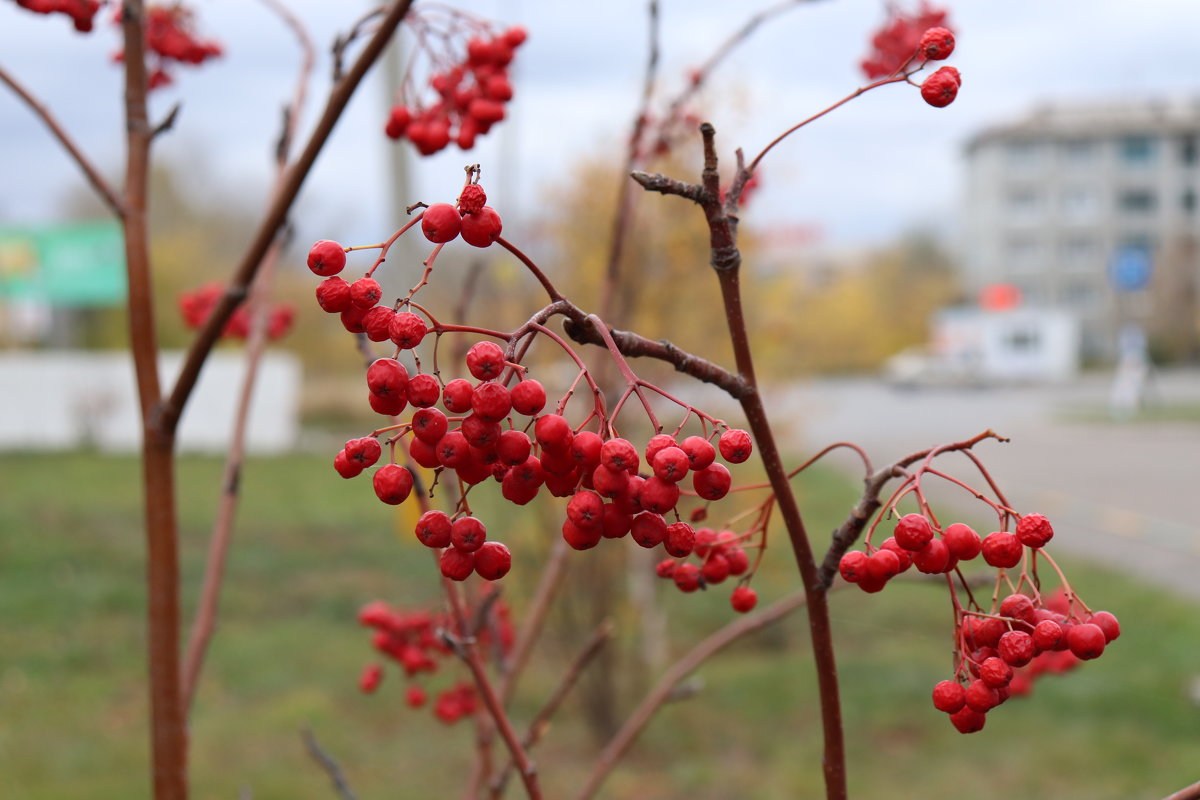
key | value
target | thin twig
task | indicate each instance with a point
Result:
(1187, 793)
(327, 762)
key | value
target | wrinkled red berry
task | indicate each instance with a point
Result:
(1034, 530)
(492, 561)
(913, 532)
(940, 88)
(937, 44)
(735, 445)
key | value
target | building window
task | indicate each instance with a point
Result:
(1079, 203)
(1080, 295)
(1137, 201)
(1079, 253)
(1023, 254)
(1024, 202)
(1023, 339)
(1079, 152)
(1188, 201)
(1022, 153)
(1137, 150)
(1188, 153)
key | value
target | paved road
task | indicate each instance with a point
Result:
(1128, 494)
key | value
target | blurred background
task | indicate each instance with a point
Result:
(1026, 260)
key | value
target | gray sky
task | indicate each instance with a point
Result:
(882, 165)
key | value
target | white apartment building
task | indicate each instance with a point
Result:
(1055, 200)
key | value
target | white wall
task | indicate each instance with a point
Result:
(58, 400)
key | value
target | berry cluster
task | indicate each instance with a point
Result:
(81, 12)
(897, 43)
(467, 96)
(197, 305)
(170, 38)
(1001, 650)
(414, 642)
(718, 556)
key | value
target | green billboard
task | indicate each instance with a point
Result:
(71, 264)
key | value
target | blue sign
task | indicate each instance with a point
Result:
(1130, 267)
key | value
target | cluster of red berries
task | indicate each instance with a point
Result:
(470, 96)
(719, 556)
(81, 12)
(414, 642)
(915, 543)
(197, 305)
(895, 43)
(1002, 653)
(170, 37)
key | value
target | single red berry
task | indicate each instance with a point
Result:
(585, 509)
(853, 566)
(581, 538)
(365, 292)
(743, 599)
(949, 696)
(913, 532)
(933, 558)
(485, 360)
(491, 401)
(715, 568)
(968, 720)
(378, 323)
(1048, 635)
(670, 464)
(1002, 549)
(364, 451)
(528, 397)
(397, 123)
(700, 451)
(388, 405)
(1020, 607)
(456, 396)
(680, 539)
(415, 697)
(457, 565)
(738, 560)
(406, 330)
(1086, 640)
(1016, 648)
(585, 450)
(387, 377)
(468, 534)
(981, 697)
(423, 390)
(658, 495)
(1107, 623)
(937, 44)
(553, 434)
(648, 529)
(735, 445)
(393, 483)
(687, 577)
(429, 425)
(492, 561)
(346, 467)
(370, 678)
(903, 555)
(940, 88)
(471, 199)
(883, 564)
(608, 482)
(352, 319)
(1034, 530)
(995, 672)
(615, 522)
(333, 294)
(326, 258)
(440, 223)
(620, 454)
(433, 529)
(454, 451)
(657, 443)
(963, 541)
(984, 631)
(482, 227)
(514, 447)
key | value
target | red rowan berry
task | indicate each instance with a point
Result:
(423, 390)
(1107, 623)
(333, 294)
(1002, 549)
(738, 560)
(1034, 530)
(440, 223)
(415, 697)
(712, 482)
(484, 226)
(553, 433)
(1048, 635)
(515, 36)
(397, 123)
(393, 483)
(365, 451)
(658, 495)
(528, 397)
(904, 556)
(630, 500)
(352, 319)
(387, 377)
(618, 454)
(615, 522)
(984, 631)
(657, 443)
(365, 292)
(687, 577)
(949, 696)
(485, 360)
(700, 452)
(345, 466)
(585, 509)
(995, 672)
(1016, 648)
(609, 483)
(933, 558)
(968, 720)
(1020, 607)
(378, 323)
(456, 564)
(715, 568)
(370, 678)
(492, 561)
(454, 450)
(514, 447)
(963, 541)
(433, 529)
(456, 396)
(471, 199)
(853, 566)
(940, 88)
(388, 405)
(468, 534)
(326, 258)
(407, 330)
(424, 453)
(429, 425)
(981, 697)
(1086, 640)
(883, 565)
(735, 445)
(913, 532)
(743, 599)
(585, 450)
(680, 539)
(670, 464)
(581, 538)
(665, 568)
(491, 401)
(937, 44)
(648, 529)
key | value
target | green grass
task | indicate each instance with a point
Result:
(311, 548)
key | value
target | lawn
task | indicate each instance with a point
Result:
(311, 548)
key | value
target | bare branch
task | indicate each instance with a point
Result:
(327, 763)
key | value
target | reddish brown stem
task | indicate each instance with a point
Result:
(1187, 793)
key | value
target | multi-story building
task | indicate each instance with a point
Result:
(1059, 201)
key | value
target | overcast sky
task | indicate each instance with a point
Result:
(882, 165)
